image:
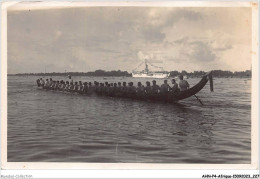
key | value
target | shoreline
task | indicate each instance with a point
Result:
(49, 75)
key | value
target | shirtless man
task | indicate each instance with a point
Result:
(164, 87)
(140, 90)
(131, 92)
(41, 82)
(173, 91)
(56, 86)
(38, 82)
(174, 87)
(71, 87)
(183, 84)
(91, 88)
(47, 84)
(148, 90)
(80, 87)
(124, 90)
(119, 89)
(155, 88)
(67, 86)
(102, 89)
(76, 87)
(85, 87)
(164, 90)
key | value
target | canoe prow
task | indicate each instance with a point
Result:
(195, 89)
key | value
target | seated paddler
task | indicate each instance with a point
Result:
(71, 87)
(124, 90)
(106, 90)
(56, 86)
(174, 87)
(140, 90)
(41, 82)
(95, 86)
(111, 92)
(67, 86)
(102, 89)
(76, 87)
(46, 84)
(115, 90)
(148, 90)
(119, 89)
(80, 87)
(164, 90)
(52, 85)
(155, 90)
(183, 84)
(38, 82)
(91, 88)
(98, 88)
(85, 87)
(51, 81)
(62, 85)
(131, 90)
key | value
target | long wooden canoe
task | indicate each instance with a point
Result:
(181, 94)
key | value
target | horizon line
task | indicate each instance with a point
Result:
(121, 71)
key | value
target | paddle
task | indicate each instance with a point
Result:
(198, 99)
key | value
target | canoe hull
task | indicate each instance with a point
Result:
(171, 98)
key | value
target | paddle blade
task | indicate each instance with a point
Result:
(211, 82)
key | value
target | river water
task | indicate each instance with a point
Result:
(46, 126)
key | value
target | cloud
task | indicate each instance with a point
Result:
(120, 37)
(201, 51)
(152, 34)
(182, 40)
(179, 14)
(222, 42)
(227, 47)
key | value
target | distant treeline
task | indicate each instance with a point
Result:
(216, 73)
(95, 73)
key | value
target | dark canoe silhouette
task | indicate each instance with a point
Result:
(195, 89)
(176, 96)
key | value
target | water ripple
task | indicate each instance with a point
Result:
(56, 127)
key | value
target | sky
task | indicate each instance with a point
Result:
(86, 39)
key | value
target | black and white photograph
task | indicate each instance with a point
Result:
(149, 83)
